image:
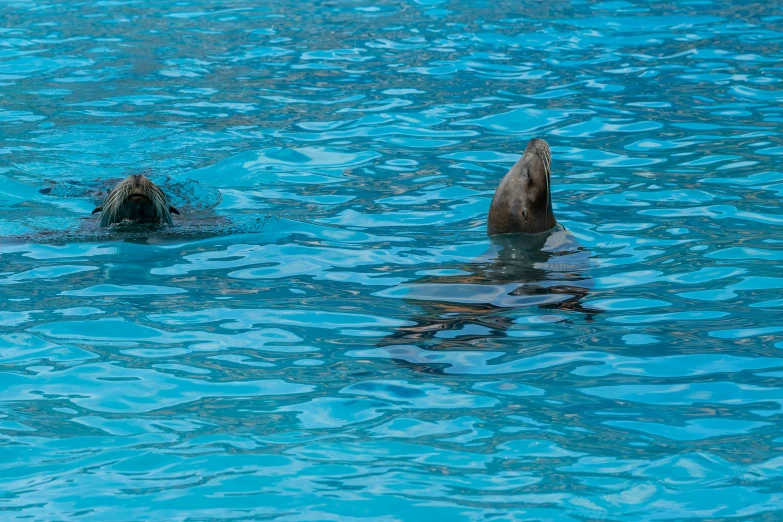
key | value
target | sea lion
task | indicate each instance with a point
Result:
(138, 200)
(532, 261)
(523, 201)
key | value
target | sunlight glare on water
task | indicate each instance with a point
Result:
(327, 333)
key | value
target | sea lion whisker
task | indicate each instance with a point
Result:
(547, 163)
(547, 157)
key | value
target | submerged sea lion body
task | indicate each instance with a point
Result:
(138, 200)
(523, 200)
(550, 271)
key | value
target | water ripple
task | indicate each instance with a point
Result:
(339, 340)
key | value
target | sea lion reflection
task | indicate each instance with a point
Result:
(548, 270)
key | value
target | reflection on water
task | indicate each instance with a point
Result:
(328, 334)
(469, 305)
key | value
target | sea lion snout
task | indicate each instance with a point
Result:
(138, 207)
(138, 200)
(538, 144)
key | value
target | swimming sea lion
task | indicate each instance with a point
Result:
(532, 261)
(138, 200)
(523, 200)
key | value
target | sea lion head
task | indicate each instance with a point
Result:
(138, 200)
(523, 201)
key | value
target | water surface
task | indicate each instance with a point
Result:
(341, 341)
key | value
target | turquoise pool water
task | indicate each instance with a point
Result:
(328, 334)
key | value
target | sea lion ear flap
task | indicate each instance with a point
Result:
(173, 210)
(97, 209)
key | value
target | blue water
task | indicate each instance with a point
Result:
(328, 334)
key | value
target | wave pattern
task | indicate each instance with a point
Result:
(356, 348)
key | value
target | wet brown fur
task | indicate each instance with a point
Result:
(523, 201)
(136, 199)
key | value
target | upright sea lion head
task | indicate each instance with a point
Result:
(138, 200)
(523, 201)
